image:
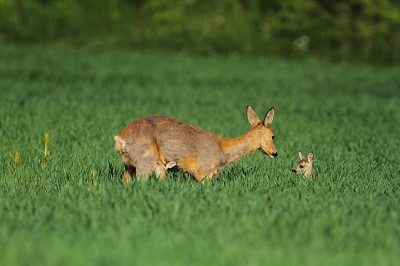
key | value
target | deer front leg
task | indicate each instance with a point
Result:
(207, 177)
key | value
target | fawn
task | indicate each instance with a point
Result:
(147, 144)
(304, 166)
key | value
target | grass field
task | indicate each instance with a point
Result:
(74, 210)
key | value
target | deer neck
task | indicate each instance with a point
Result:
(236, 148)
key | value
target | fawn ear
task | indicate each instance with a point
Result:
(310, 157)
(252, 116)
(170, 165)
(269, 117)
(301, 157)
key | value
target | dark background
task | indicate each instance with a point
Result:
(355, 31)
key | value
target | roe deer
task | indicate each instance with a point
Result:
(304, 166)
(147, 144)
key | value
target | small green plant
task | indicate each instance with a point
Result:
(15, 159)
(93, 173)
(46, 151)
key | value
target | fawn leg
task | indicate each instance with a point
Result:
(160, 171)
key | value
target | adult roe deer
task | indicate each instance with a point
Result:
(156, 143)
(304, 166)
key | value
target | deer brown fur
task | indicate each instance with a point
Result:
(156, 143)
(304, 166)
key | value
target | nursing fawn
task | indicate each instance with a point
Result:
(156, 143)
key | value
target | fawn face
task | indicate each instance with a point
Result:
(266, 134)
(304, 166)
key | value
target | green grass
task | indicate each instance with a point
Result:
(76, 211)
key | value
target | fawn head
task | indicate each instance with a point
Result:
(304, 166)
(266, 135)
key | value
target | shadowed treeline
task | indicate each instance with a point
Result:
(357, 31)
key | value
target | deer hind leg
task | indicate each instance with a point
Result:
(129, 173)
(148, 164)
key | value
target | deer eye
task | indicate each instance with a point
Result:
(273, 137)
(301, 166)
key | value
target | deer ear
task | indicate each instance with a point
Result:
(310, 157)
(252, 116)
(301, 157)
(269, 117)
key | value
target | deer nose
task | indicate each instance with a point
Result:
(294, 171)
(274, 154)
